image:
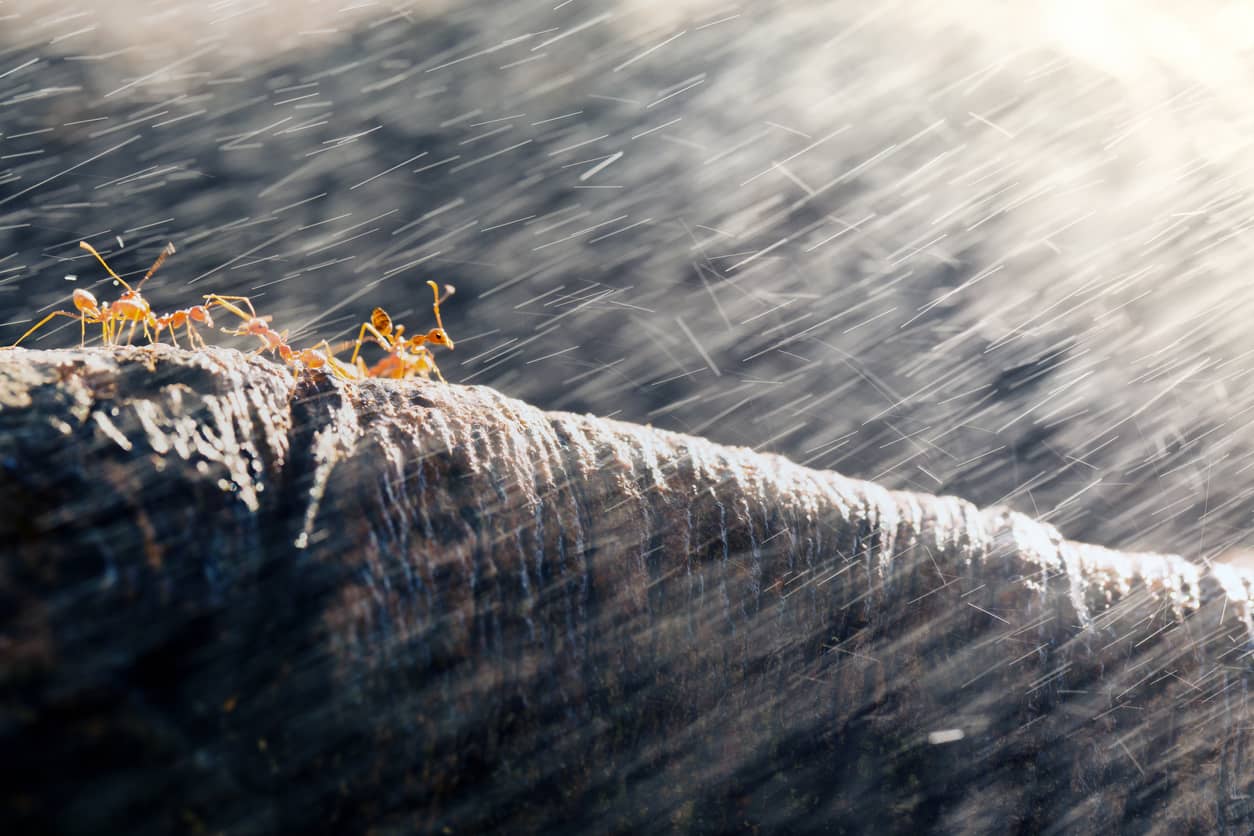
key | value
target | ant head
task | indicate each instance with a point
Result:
(439, 337)
(199, 313)
(311, 357)
(254, 326)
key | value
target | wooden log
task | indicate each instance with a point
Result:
(238, 600)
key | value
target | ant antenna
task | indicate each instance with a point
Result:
(168, 250)
(100, 258)
(435, 289)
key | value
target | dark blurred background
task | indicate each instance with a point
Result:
(1000, 251)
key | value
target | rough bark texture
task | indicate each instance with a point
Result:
(236, 601)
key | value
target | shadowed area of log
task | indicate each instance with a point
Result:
(235, 600)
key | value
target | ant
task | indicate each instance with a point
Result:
(131, 306)
(405, 357)
(319, 357)
(184, 319)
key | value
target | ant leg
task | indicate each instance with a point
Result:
(212, 299)
(47, 319)
(361, 337)
(424, 364)
(342, 370)
(225, 302)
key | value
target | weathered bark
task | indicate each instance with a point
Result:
(237, 600)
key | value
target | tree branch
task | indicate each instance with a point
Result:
(243, 600)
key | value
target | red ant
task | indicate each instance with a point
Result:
(275, 342)
(131, 306)
(184, 319)
(405, 357)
